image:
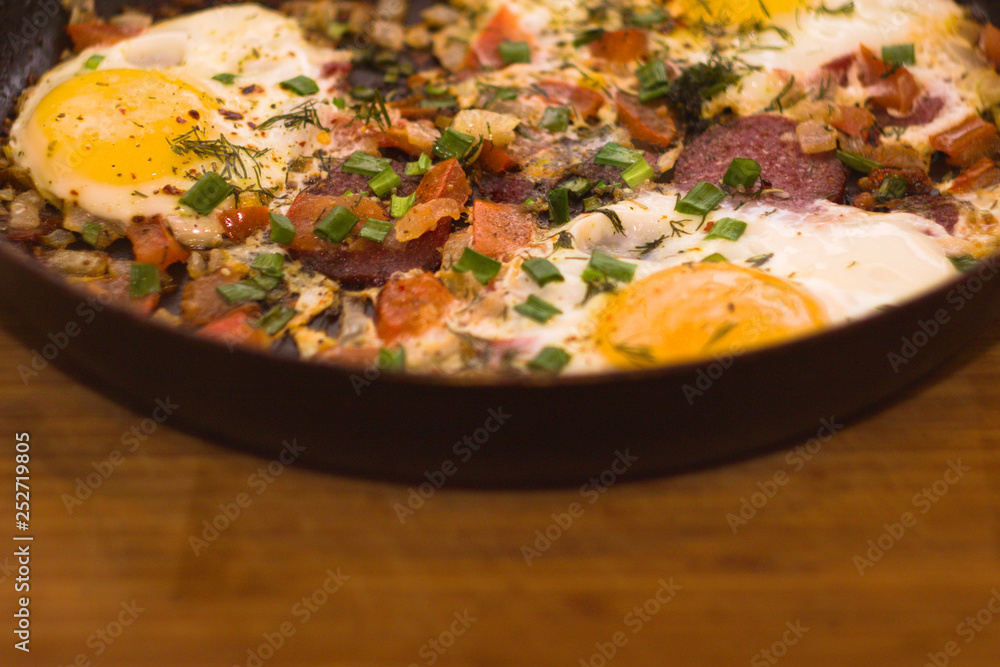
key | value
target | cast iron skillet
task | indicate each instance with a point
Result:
(426, 430)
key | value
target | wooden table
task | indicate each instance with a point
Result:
(846, 560)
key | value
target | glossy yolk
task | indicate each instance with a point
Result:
(115, 126)
(727, 11)
(700, 311)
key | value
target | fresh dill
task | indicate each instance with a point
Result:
(647, 248)
(846, 9)
(231, 158)
(565, 240)
(298, 118)
(374, 109)
(616, 221)
(637, 354)
(758, 261)
(776, 102)
(719, 333)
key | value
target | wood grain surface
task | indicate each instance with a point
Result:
(649, 573)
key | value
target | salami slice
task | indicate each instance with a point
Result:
(770, 140)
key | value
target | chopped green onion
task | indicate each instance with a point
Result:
(483, 268)
(591, 203)
(365, 165)
(715, 257)
(742, 173)
(555, 119)
(91, 232)
(650, 94)
(275, 320)
(550, 360)
(652, 74)
(93, 62)
(537, 309)
(963, 262)
(727, 228)
(452, 143)
(391, 360)
(336, 225)
(515, 52)
(577, 186)
(339, 103)
(301, 85)
(241, 292)
(376, 230)
(363, 93)
(270, 264)
(435, 90)
(438, 103)
(638, 173)
(616, 155)
(857, 162)
(558, 206)
(336, 30)
(266, 283)
(588, 36)
(648, 18)
(892, 187)
(384, 182)
(144, 280)
(210, 191)
(758, 261)
(542, 271)
(420, 167)
(401, 205)
(701, 200)
(604, 266)
(226, 79)
(899, 54)
(282, 229)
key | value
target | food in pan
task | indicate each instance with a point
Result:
(513, 188)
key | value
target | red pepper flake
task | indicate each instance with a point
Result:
(171, 190)
(230, 115)
(250, 90)
(194, 114)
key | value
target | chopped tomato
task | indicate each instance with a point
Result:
(896, 91)
(426, 217)
(201, 302)
(584, 101)
(236, 329)
(349, 356)
(839, 67)
(444, 180)
(99, 33)
(307, 211)
(411, 137)
(620, 46)
(500, 229)
(854, 121)
(495, 159)
(982, 174)
(240, 223)
(410, 306)
(989, 42)
(485, 49)
(117, 290)
(654, 125)
(872, 67)
(967, 142)
(153, 244)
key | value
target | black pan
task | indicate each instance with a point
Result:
(513, 433)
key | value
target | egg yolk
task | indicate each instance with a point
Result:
(699, 311)
(115, 126)
(733, 13)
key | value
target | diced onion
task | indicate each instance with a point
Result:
(24, 211)
(196, 233)
(495, 127)
(815, 137)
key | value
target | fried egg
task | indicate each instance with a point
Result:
(120, 130)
